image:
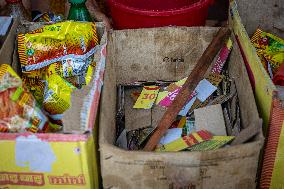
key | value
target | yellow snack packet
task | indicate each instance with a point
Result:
(36, 87)
(215, 143)
(269, 48)
(69, 44)
(55, 59)
(57, 95)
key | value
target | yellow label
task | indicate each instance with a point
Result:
(229, 44)
(24, 99)
(213, 144)
(175, 85)
(89, 74)
(174, 146)
(147, 97)
(197, 137)
(161, 96)
(181, 122)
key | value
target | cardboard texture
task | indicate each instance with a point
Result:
(273, 20)
(7, 49)
(192, 82)
(57, 160)
(244, 22)
(210, 118)
(170, 53)
(133, 116)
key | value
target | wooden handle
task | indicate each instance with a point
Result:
(193, 79)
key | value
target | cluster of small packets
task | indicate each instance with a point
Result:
(19, 110)
(56, 60)
(270, 50)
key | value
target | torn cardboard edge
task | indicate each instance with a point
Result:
(6, 55)
(81, 125)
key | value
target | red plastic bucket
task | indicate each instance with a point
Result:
(156, 13)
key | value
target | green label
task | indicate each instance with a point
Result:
(17, 94)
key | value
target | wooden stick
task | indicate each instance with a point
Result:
(195, 76)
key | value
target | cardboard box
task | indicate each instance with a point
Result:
(170, 53)
(268, 96)
(58, 160)
(7, 49)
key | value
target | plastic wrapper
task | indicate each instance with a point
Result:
(48, 17)
(270, 49)
(57, 59)
(19, 111)
(69, 44)
(57, 95)
(36, 87)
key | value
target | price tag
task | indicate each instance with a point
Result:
(147, 97)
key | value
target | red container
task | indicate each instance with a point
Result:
(128, 14)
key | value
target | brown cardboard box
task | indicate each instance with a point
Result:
(170, 53)
(7, 49)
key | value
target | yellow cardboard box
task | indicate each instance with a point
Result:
(260, 80)
(56, 160)
(269, 101)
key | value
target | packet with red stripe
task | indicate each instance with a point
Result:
(185, 142)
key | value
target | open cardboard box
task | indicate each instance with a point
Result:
(170, 53)
(58, 160)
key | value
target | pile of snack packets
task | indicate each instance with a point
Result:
(270, 50)
(55, 60)
(215, 98)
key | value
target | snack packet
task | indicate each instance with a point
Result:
(57, 95)
(53, 92)
(19, 111)
(215, 143)
(185, 142)
(269, 48)
(36, 87)
(57, 51)
(71, 45)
